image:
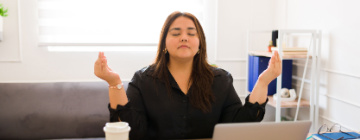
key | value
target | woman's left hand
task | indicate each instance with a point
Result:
(273, 70)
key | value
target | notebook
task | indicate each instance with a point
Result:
(262, 131)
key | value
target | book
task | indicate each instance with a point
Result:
(295, 53)
(337, 135)
(290, 49)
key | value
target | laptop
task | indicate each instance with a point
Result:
(262, 131)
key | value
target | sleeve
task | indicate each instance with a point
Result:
(133, 112)
(234, 111)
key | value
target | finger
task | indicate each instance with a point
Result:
(279, 60)
(279, 63)
(274, 55)
(271, 61)
(98, 60)
(104, 65)
(103, 55)
(97, 65)
(105, 68)
(109, 68)
(278, 57)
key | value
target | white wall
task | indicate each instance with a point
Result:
(340, 73)
(235, 18)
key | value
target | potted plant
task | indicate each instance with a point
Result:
(3, 13)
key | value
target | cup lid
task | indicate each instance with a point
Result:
(117, 124)
(116, 127)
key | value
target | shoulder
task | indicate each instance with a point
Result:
(222, 84)
(145, 71)
(141, 76)
(219, 72)
(222, 77)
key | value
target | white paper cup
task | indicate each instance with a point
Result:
(117, 131)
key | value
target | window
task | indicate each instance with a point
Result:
(99, 23)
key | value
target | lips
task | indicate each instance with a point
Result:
(183, 46)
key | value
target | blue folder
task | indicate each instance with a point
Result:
(257, 64)
(337, 135)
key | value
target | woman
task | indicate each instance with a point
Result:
(181, 95)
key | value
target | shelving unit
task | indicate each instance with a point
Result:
(314, 49)
(269, 54)
(288, 104)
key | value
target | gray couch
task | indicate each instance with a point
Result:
(55, 110)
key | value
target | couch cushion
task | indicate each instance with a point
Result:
(53, 110)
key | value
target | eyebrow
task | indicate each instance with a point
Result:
(189, 28)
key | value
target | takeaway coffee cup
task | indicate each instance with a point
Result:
(117, 131)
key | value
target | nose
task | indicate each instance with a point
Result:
(184, 37)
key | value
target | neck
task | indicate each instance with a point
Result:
(180, 67)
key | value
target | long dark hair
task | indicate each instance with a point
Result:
(201, 75)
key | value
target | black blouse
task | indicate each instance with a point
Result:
(153, 114)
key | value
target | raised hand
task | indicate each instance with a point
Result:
(273, 70)
(260, 91)
(103, 71)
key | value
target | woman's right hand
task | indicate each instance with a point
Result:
(103, 71)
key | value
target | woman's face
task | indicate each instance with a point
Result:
(182, 41)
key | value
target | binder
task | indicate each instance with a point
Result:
(337, 136)
(250, 73)
(257, 64)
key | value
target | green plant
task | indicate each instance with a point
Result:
(3, 11)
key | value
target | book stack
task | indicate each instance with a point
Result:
(292, 50)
